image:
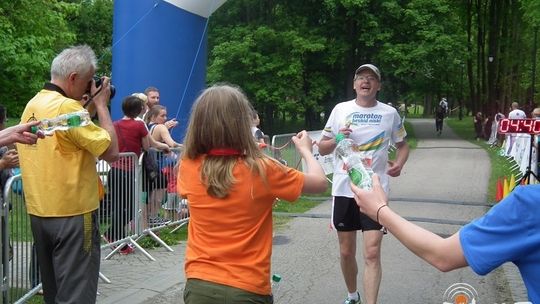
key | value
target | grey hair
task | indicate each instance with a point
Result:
(80, 59)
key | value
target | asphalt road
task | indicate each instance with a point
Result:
(443, 183)
(441, 187)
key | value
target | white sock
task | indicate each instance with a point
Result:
(353, 296)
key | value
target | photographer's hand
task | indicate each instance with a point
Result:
(101, 98)
(88, 104)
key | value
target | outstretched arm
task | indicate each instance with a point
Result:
(315, 179)
(444, 254)
(20, 134)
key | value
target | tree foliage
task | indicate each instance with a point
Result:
(295, 59)
(33, 32)
(30, 39)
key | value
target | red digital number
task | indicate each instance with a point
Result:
(503, 125)
(515, 125)
(527, 126)
(536, 126)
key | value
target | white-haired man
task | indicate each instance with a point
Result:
(60, 178)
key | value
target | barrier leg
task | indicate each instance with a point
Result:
(104, 278)
(160, 241)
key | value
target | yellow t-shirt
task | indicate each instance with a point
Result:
(59, 172)
(230, 239)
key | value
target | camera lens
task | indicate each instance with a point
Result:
(113, 91)
(98, 82)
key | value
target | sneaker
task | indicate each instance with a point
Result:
(127, 249)
(351, 301)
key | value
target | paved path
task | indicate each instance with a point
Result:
(442, 186)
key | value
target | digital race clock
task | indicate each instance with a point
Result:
(528, 126)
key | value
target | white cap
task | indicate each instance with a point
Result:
(370, 67)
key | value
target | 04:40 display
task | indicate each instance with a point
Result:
(528, 126)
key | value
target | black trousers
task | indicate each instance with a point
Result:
(68, 250)
(122, 198)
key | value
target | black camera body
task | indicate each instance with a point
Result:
(98, 82)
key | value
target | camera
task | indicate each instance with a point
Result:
(98, 81)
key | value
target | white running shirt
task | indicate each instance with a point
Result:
(374, 128)
(517, 114)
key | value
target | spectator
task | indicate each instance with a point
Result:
(494, 137)
(133, 137)
(155, 119)
(536, 115)
(9, 158)
(515, 112)
(372, 125)
(144, 99)
(479, 123)
(59, 176)
(231, 187)
(153, 99)
(153, 142)
(257, 133)
(507, 233)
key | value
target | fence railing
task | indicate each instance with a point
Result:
(283, 149)
(132, 207)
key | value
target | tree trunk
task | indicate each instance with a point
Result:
(470, 76)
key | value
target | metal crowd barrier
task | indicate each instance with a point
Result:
(160, 203)
(20, 273)
(284, 150)
(134, 207)
(122, 218)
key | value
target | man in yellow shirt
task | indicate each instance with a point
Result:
(60, 178)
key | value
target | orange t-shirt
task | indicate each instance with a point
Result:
(230, 239)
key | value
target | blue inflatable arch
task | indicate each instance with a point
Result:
(161, 43)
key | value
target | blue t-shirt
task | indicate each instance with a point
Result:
(509, 232)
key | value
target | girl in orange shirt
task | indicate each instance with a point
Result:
(230, 186)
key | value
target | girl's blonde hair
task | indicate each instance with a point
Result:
(221, 118)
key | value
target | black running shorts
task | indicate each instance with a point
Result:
(346, 216)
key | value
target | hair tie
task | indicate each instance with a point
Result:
(224, 152)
